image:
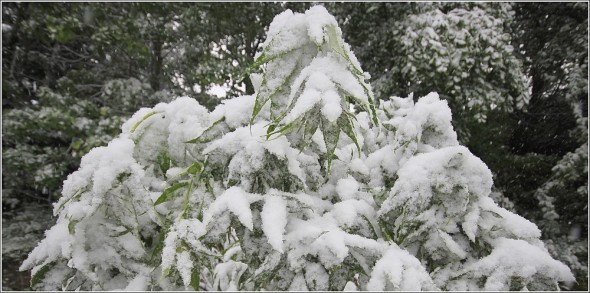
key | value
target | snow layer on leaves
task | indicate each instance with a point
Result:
(326, 79)
(236, 111)
(427, 175)
(227, 275)
(322, 237)
(101, 166)
(187, 231)
(411, 128)
(352, 213)
(399, 270)
(247, 145)
(235, 200)
(57, 243)
(316, 68)
(139, 283)
(347, 188)
(513, 224)
(165, 128)
(514, 257)
(274, 220)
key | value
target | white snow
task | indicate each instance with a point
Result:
(234, 200)
(139, 283)
(400, 271)
(514, 257)
(347, 188)
(274, 220)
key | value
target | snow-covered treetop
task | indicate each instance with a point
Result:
(264, 193)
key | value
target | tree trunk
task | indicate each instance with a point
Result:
(156, 64)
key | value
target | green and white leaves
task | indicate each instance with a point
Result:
(310, 79)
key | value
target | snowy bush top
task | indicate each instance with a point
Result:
(264, 193)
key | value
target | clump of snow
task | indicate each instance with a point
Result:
(227, 275)
(139, 283)
(398, 270)
(347, 188)
(514, 257)
(274, 220)
(236, 201)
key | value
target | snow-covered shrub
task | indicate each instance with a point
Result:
(305, 185)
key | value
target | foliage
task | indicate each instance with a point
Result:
(265, 193)
(460, 50)
(554, 42)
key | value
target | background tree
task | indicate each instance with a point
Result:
(554, 128)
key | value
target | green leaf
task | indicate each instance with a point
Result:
(40, 274)
(198, 138)
(270, 129)
(196, 278)
(335, 44)
(259, 102)
(160, 244)
(333, 40)
(164, 162)
(384, 231)
(282, 131)
(72, 226)
(309, 130)
(127, 230)
(331, 133)
(122, 176)
(142, 119)
(194, 168)
(76, 144)
(346, 126)
(170, 190)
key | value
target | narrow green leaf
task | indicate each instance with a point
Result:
(170, 190)
(309, 130)
(72, 226)
(142, 119)
(194, 168)
(384, 231)
(371, 226)
(198, 138)
(259, 103)
(196, 278)
(331, 133)
(40, 274)
(282, 131)
(333, 40)
(160, 244)
(347, 127)
(270, 129)
(75, 196)
(164, 162)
